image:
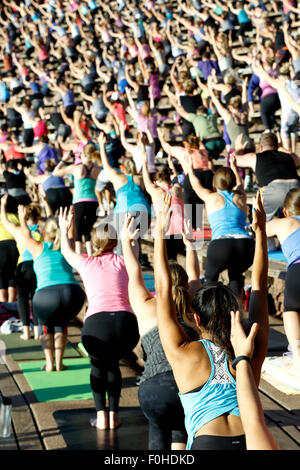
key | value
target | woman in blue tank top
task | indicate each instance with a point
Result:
(288, 232)
(85, 201)
(58, 297)
(231, 247)
(204, 370)
(129, 190)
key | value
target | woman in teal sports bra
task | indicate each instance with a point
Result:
(204, 370)
(85, 201)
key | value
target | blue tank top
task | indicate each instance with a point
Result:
(229, 220)
(53, 182)
(215, 398)
(51, 268)
(84, 188)
(291, 246)
(130, 197)
(25, 254)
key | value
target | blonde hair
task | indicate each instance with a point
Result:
(104, 238)
(91, 154)
(129, 166)
(52, 231)
(145, 109)
(189, 86)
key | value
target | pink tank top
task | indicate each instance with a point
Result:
(177, 217)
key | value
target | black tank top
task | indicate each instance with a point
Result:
(272, 165)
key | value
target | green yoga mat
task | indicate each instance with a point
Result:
(21, 350)
(67, 385)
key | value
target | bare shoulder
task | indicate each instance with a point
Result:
(192, 367)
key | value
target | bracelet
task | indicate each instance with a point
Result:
(240, 358)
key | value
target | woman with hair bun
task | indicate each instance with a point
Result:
(231, 246)
(58, 297)
(85, 201)
(158, 392)
(110, 330)
(287, 230)
(204, 370)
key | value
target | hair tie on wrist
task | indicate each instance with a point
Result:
(240, 358)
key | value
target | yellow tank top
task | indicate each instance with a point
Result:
(4, 234)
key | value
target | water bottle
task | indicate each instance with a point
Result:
(5, 416)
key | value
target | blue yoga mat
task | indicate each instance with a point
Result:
(277, 256)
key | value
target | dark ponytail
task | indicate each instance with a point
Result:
(213, 303)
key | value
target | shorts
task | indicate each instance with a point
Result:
(274, 195)
(289, 124)
(101, 181)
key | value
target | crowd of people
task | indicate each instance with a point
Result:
(134, 118)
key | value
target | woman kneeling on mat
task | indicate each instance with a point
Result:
(110, 330)
(58, 297)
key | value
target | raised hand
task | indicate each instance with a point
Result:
(65, 218)
(242, 344)
(259, 215)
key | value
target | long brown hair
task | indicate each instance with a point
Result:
(180, 293)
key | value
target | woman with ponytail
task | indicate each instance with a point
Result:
(58, 297)
(158, 392)
(110, 330)
(85, 201)
(204, 370)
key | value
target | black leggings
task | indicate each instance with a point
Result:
(268, 106)
(235, 255)
(193, 204)
(160, 403)
(219, 443)
(292, 289)
(8, 261)
(58, 197)
(57, 305)
(26, 286)
(85, 217)
(108, 337)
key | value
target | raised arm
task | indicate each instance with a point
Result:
(65, 220)
(192, 266)
(141, 299)
(32, 245)
(172, 335)
(203, 193)
(258, 308)
(258, 436)
(112, 174)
